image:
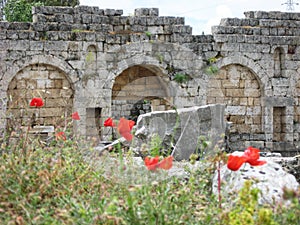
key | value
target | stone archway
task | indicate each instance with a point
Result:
(44, 81)
(135, 85)
(238, 88)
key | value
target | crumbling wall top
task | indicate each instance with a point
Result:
(146, 12)
(276, 15)
(51, 10)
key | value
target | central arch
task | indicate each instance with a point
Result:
(138, 90)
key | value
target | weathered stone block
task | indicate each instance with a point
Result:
(50, 112)
(252, 111)
(235, 110)
(56, 46)
(146, 12)
(183, 128)
(272, 189)
(254, 93)
(10, 34)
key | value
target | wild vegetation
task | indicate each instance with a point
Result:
(56, 184)
(21, 10)
(63, 180)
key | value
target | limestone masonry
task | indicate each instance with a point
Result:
(101, 63)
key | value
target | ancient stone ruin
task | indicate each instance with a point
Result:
(182, 131)
(101, 63)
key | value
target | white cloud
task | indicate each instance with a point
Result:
(221, 11)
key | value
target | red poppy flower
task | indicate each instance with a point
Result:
(61, 136)
(235, 162)
(166, 163)
(251, 156)
(153, 163)
(124, 129)
(109, 122)
(75, 116)
(36, 102)
(131, 124)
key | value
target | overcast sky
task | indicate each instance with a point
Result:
(200, 14)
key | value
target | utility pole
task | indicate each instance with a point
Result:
(290, 5)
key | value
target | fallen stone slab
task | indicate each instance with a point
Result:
(180, 130)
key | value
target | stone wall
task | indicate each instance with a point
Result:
(39, 81)
(267, 44)
(101, 63)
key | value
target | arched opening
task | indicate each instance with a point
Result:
(90, 71)
(43, 81)
(137, 90)
(93, 114)
(279, 61)
(238, 88)
(279, 114)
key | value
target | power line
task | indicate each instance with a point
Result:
(290, 5)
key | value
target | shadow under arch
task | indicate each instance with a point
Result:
(139, 89)
(148, 104)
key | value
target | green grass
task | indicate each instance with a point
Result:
(59, 184)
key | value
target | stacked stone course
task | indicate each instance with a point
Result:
(101, 63)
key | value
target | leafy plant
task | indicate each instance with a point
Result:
(155, 145)
(146, 101)
(202, 146)
(212, 68)
(181, 78)
(148, 34)
(19, 10)
(160, 57)
(289, 214)
(77, 30)
(247, 211)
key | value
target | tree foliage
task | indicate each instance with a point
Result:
(21, 10)
(18, 10)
